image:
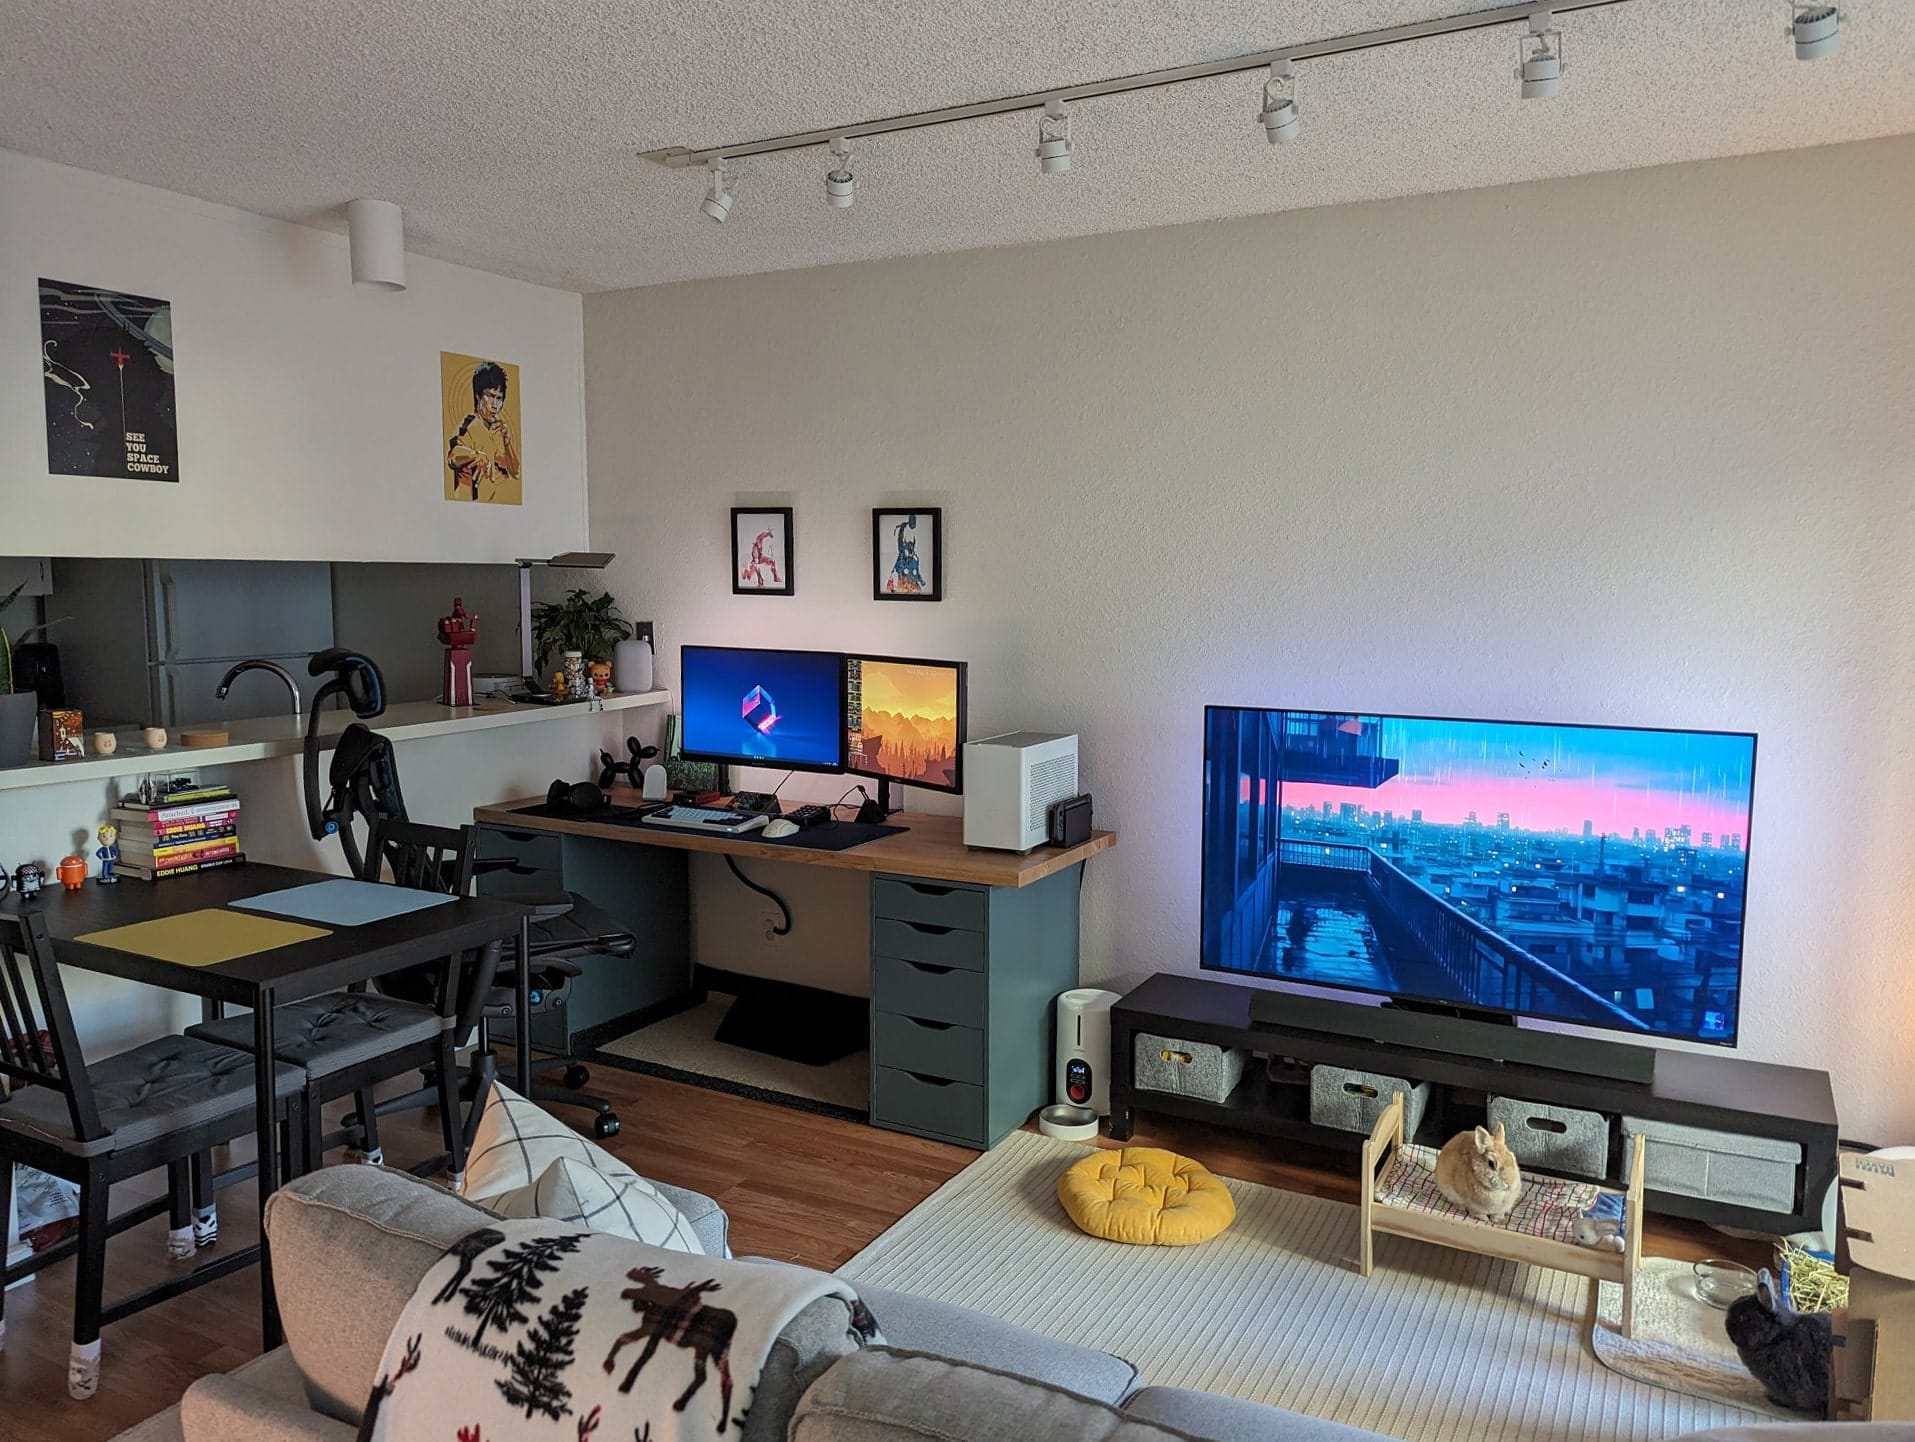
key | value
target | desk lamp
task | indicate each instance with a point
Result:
(581, 560)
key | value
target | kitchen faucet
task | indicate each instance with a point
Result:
(226, 681)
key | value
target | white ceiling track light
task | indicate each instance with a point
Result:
(841, 186)
(1279, 116)
(1541, 70)
(717, 194)
(1053, 139)
(1815, 27)
(377, 232)
(1816, 30)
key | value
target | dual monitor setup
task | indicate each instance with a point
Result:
(893, 719)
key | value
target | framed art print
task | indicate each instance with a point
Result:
(907, 554)
(762, 563)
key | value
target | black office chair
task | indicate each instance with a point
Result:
(363, 790)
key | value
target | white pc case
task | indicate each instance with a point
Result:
(1010, 783)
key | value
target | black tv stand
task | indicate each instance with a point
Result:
(1736, 1104)
(1457, 1031)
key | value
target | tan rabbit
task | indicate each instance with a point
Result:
(1478, 1172)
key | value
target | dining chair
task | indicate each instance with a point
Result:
(348, 1042)
(97, 1123)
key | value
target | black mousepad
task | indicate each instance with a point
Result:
(831, 835)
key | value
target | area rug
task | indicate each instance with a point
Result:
(1436, 1346)
(683, 1048)
(1679, 1341)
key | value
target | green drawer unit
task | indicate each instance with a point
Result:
(926, 1105)
(934, 993)
(934, 903)
(936, 1048)
(921, 941)
(643, 888)
(964, 981)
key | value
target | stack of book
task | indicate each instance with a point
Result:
(187, 831)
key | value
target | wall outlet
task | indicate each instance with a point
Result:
(642, 631)
(771, 925)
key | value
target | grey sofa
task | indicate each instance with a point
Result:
(349, 1244)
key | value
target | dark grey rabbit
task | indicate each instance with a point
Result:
(1788, 1352)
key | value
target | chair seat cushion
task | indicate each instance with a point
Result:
(326, 1034)
(160, 1086)
(584, 929)
(1147, 1196)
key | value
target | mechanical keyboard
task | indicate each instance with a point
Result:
(709, 819)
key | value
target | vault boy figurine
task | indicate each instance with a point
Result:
(108, 853)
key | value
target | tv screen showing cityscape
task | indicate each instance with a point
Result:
(1585, 874)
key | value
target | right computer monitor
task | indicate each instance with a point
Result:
(904, 721)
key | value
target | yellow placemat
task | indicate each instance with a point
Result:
(204, 937)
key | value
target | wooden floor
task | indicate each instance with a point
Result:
(798, 1187)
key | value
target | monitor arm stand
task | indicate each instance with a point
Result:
(876, 809)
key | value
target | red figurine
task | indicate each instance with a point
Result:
(72, 872)
(457, 633)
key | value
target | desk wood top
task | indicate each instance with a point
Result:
(930, 847)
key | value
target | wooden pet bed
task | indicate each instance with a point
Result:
(1399, 1198)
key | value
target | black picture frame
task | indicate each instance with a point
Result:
(787, 573)
(885, 540)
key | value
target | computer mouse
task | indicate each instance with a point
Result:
(780, 827)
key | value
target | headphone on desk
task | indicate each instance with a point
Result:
(574, 798)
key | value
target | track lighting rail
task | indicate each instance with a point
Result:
(678, 157)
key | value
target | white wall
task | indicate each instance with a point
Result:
(309, 422)
(1631, 448)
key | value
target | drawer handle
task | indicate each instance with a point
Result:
(928, 969)
(925, 928)
(519, 835)
(930, 1081)
(930, 1025)
(1359, 1089)
(1546, 1124)
(923, 890)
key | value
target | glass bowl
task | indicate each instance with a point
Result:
(1720, 1282)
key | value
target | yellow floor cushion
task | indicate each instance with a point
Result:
(1147, 1196)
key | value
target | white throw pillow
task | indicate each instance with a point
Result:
(527, 1163)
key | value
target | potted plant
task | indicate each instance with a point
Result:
(582, 624)
(18, 709)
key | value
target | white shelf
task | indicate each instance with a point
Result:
(263, 738)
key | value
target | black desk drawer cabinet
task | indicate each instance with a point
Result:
(922, 941)
(936, 1048)
(934, 993)
(931, 1106)
(963, 985)
(934, 903)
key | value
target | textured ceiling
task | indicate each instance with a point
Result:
(508, 130)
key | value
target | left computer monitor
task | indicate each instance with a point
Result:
(749, 707)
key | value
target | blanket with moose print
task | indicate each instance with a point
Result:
(536, 1330)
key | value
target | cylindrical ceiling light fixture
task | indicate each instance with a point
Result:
(1279, 114)
(717, 202)
(1542, 56)
(377, 232)
(841, 186)
(1054, 139)
(1817, 30)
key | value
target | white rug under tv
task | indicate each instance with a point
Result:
(1437, 1346)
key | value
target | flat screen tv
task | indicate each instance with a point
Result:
(1584, 874)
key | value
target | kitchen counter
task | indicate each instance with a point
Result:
(260, 738)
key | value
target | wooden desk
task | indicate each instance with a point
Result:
(969, 948)
(931, 847)
(341, 956)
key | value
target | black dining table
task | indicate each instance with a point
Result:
(344, 955)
